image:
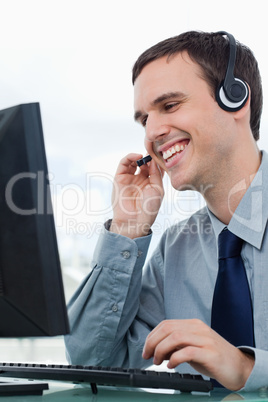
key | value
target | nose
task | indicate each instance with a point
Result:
(156, 127)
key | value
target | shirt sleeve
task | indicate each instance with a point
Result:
(110, 315)
(259, 376)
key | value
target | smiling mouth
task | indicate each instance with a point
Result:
(174, 150)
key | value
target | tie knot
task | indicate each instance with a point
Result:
(229, 244)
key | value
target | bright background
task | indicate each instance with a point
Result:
(75, 58)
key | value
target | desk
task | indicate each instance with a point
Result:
(65, 392)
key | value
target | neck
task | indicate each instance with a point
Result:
(224, 197)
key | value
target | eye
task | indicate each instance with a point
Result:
(143, 121)
(170, 106)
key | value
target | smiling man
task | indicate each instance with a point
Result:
(178, 110)
(174, 308)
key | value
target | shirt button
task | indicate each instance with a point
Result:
(114, 308)
(126, 254)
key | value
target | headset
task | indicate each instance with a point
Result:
(233, 92)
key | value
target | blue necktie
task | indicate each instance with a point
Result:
(232, 314)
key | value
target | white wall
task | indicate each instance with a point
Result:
(75, 58)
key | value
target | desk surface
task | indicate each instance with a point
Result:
(65, 392)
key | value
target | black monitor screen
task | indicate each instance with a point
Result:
(32, 299)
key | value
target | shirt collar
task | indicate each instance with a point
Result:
(216, 223)
(250, 218)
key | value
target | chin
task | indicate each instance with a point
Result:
(179, 184)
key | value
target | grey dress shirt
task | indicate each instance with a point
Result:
(120, 301)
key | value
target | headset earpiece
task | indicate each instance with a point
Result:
(234, 98)
(233, 92)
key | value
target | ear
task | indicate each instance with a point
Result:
(245, 110)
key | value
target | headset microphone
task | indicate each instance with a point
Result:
(233, 92)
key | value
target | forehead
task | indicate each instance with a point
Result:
(178, 73)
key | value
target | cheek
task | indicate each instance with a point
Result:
(148, 146)
(214, 128)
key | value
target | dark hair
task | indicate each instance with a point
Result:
(211, 52)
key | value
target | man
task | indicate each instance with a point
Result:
(129, 315)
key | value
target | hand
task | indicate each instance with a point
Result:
(136, 197)
(192, 341)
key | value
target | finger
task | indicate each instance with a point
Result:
(128, 164)
(209, 362)
(177, 340)
(181, 329)
(156, 177)
(200, 358)
(161, 331)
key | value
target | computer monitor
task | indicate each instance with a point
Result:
(32, 301)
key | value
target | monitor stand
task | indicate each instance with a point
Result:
(14, 386)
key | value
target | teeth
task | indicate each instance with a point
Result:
(171, 151)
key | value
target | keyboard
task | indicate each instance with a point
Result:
(107, 376)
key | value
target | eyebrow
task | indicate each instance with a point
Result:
(160, 99)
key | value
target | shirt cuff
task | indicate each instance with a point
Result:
(119, 252)
(258, 378)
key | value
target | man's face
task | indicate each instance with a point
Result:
(186, 132)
